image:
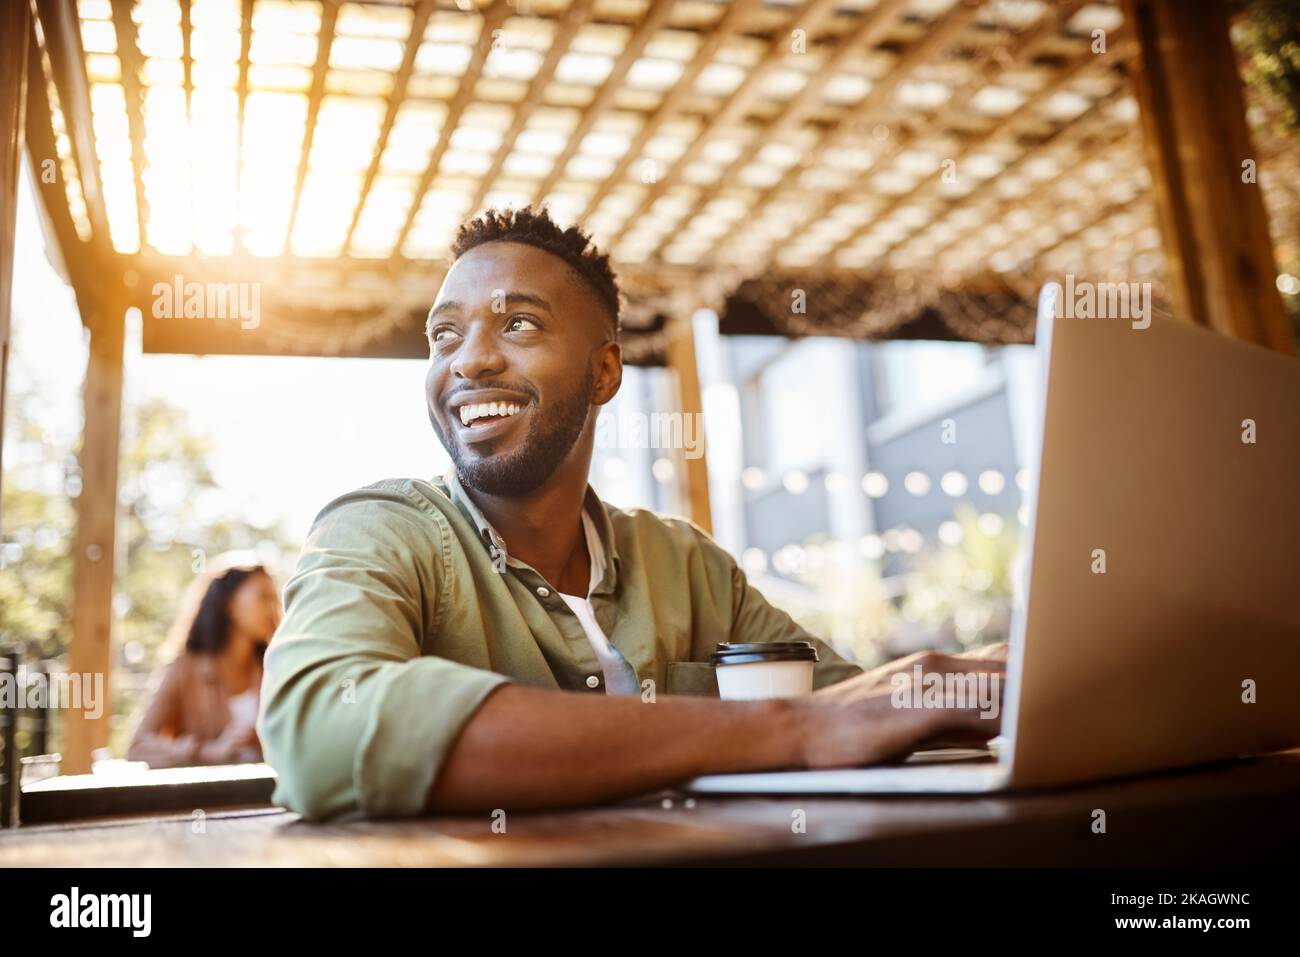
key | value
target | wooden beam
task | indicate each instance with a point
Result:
(309, 272)
(241, 94)
(655, 17)
(95, 541)
(668, 108)
(187, 56)
(1218, 254)
(324, 41)
(493, 17)
(419, 22)
(809, 18)
(1102, 215)
(1090, 127)
(1020, 51)
(694, 481)
(128, 52)
(566, 28)
(67, 64)
(884, 16)
(187, 81)
(1085, 65)
(15, 24)
(80, 260)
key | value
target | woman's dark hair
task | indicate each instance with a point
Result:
(210, 630)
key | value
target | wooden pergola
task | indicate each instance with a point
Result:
(920, 166)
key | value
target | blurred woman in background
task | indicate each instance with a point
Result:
(204, 706)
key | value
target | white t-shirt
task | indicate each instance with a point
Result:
(243, 708)
(620, 678)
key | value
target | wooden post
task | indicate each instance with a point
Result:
(695, 471)
(15, 27)
(1219, 257)
(94, 544)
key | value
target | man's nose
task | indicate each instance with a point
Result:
(479, 354)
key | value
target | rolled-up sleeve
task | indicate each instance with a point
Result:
(355, 720)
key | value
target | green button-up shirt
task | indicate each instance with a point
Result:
(405, 611)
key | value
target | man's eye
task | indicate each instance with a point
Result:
(522, 324)
(443, 335)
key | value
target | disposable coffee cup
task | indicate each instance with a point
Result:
(764, 669)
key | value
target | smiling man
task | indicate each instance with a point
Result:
(501, 638)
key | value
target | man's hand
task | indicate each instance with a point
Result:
(990, 658)
(876, 717)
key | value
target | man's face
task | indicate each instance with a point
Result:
(519, 354)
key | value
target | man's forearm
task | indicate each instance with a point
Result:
(528, 748)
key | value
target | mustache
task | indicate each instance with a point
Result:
(523, 388)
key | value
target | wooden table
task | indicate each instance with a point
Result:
(1246, 812)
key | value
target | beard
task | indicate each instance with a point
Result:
(551, 436)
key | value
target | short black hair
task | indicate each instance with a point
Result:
(535, 227)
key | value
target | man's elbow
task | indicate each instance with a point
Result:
(309, 801)
(313, 767)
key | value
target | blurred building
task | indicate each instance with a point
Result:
(869, 445)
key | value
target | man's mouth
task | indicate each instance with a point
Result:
(480, 414)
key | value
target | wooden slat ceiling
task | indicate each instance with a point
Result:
(330, 149)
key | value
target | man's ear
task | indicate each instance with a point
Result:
(609, 372)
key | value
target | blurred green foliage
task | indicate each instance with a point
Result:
(166, 528)
(950, 597)
(1269, 35)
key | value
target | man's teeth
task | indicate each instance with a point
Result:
(468, 413)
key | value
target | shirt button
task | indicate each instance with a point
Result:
(543, 592)
(593, 681)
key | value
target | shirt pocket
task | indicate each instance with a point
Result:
(691, 678)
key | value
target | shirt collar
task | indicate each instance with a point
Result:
(493, 541)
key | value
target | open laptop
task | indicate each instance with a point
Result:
(1186, 649)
